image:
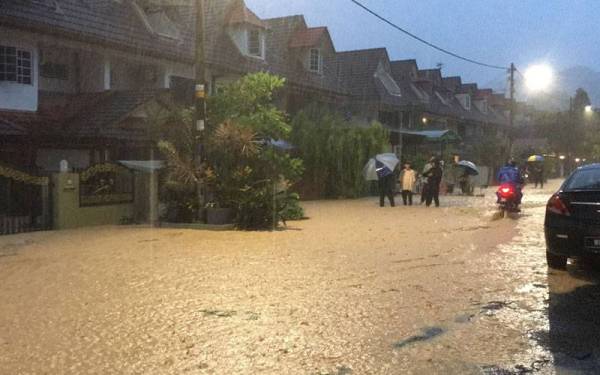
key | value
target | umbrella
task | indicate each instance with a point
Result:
(534, 158)
(390, 161)
(470, 167)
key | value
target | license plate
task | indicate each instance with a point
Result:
(503, 200)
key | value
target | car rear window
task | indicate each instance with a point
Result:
(587, 179)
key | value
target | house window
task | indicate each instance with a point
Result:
(15, 65)
(254, 45)
(315, 60)
(468, 102)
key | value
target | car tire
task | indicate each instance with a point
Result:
(558, 262)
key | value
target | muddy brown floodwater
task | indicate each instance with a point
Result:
(356, 289)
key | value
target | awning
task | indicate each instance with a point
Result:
(146, 166)
(431, 135)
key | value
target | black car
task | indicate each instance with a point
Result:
(572, 225)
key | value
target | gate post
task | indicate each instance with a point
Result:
(46, 224)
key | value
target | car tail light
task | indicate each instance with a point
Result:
(557, 206)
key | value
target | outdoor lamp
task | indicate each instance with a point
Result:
(539, 77)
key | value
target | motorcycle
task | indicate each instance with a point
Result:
(508, 199)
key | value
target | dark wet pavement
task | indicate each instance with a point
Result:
(558, 311)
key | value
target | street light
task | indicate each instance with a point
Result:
(562, 157)
(539, 77)
(589, 109)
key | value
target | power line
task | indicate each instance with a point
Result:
(426, 42)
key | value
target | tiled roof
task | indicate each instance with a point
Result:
(106, 22)
(452, 83)
(309, 37)
(483, 93)
(467, 88)
(404, 69)
(357, 72)
(105, 118)
(94, 115)
(221, 52)
(433, 75)
(16, 123)
(240, 14)
(288, 62)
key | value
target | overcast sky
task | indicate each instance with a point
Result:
(563, 33)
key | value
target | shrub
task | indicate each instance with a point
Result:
(334, 152)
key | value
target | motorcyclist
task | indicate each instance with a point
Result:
(510, 174)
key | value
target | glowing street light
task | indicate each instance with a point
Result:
(424, 120)
(539, 77)
(562, 157)
(588, 109)
(577, 160)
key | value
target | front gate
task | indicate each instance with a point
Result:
(24, 201)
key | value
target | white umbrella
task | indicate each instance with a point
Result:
(389, 160)
(370, 169)
(469, 166)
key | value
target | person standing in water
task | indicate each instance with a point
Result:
(385, 179)
(408, 178)
(434, 179)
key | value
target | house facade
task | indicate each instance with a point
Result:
(78, 79)
(75, 79)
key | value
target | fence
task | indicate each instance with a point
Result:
(24, 201)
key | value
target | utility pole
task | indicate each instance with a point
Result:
(200, 99)
(511, 119)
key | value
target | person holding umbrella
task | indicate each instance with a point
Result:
(434, 179)
(425, 180)
(468, 169)
(385, 179)
(537, 169)
(381, 168)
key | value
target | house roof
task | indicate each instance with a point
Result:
(357, 70)
(404, 69)
(467, 88)
(13, 123)
(289, 62)
(105, 118)
(483, 94)
(309, 37)
(94, 115)
(452, 83)
(240, 14)
(107, 22)
(433, 75)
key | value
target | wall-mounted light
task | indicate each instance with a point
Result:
(424, 120)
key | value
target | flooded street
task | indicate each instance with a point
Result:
(355, 289)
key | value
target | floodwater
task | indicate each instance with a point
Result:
(356, 289)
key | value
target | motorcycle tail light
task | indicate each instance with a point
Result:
(557, 206)
(506, 191)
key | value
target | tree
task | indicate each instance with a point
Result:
(580, 101)
(243, 171)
